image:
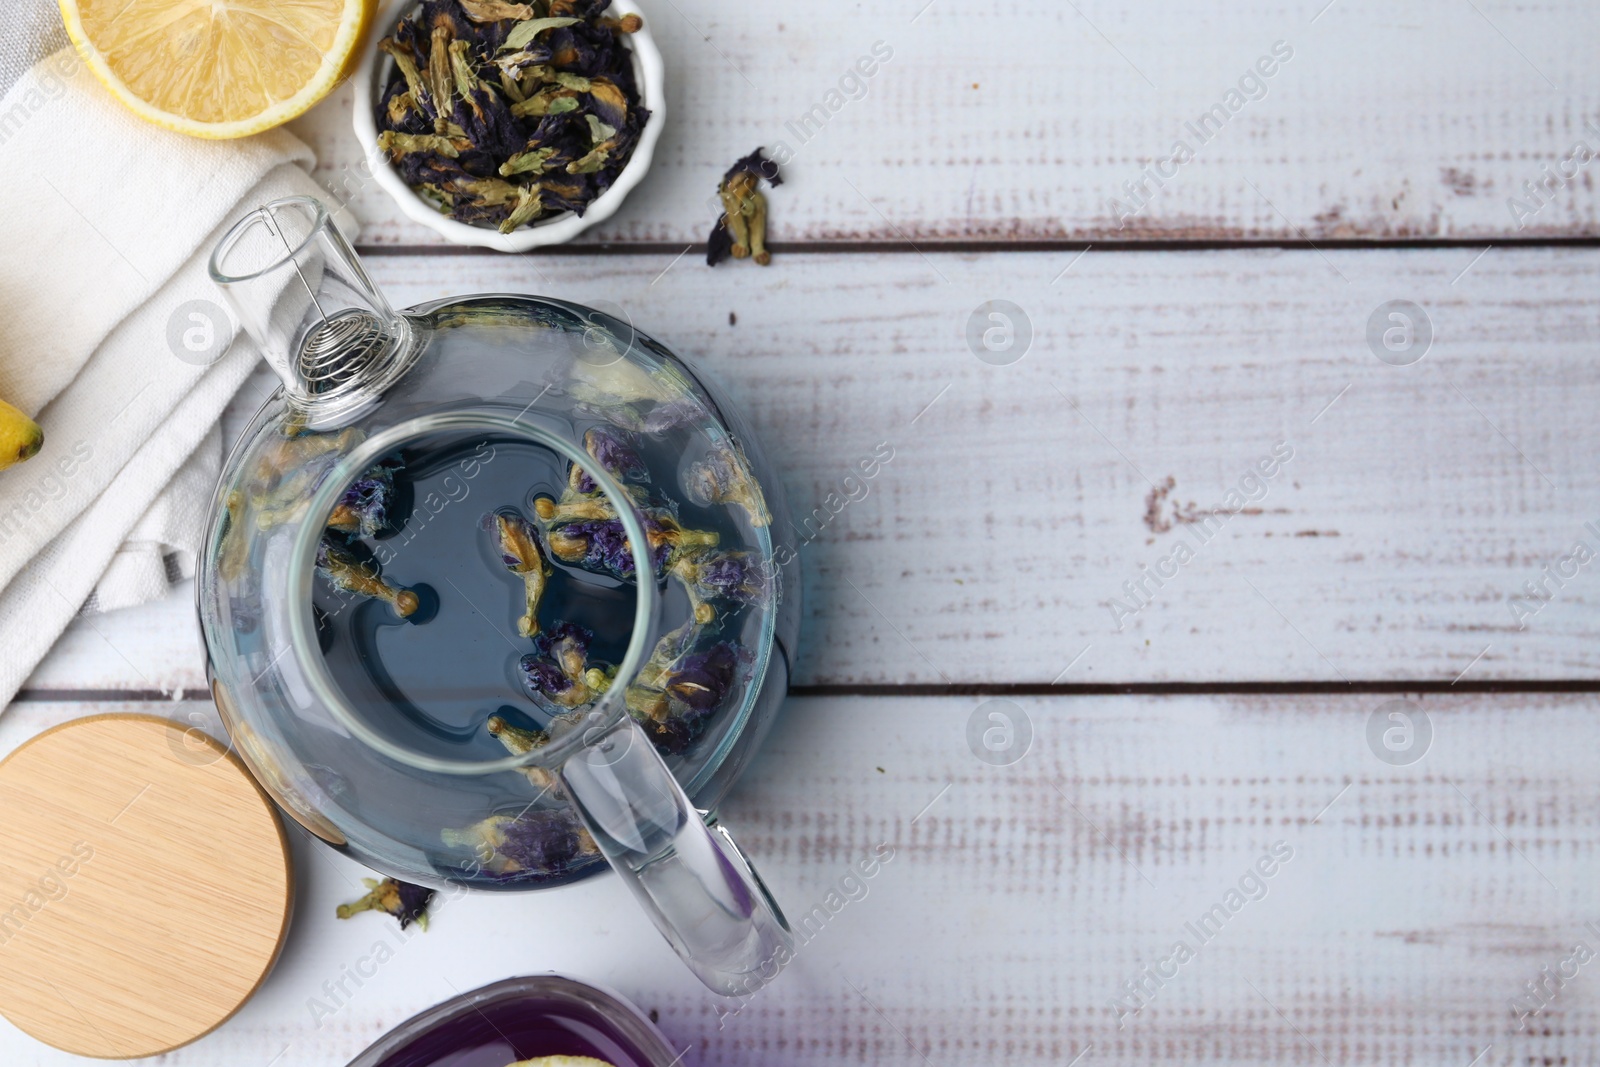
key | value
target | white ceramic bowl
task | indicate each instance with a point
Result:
(373, 73)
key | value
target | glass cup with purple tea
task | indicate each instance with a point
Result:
(540, 1021)
(497, 591)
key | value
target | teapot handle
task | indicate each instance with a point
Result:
(705, 897)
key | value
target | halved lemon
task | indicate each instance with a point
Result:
(218, 68)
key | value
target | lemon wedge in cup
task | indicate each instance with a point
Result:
(218, 68)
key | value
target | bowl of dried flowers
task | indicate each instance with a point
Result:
(509, 125)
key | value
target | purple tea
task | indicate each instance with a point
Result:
(526, 1019)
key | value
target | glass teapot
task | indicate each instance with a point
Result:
(496, 591)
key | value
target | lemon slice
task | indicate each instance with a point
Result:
(217, 68)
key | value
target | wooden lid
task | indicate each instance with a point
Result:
(145, 886)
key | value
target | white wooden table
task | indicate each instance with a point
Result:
(1176, 739)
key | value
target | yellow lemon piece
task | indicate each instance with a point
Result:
(218, 68)
(20, 436)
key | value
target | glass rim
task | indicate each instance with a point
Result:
(604, 715)
(319, 220)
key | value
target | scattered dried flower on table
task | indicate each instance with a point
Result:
(406, 902)
(741, 230)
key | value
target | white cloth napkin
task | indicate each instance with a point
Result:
(103, 247)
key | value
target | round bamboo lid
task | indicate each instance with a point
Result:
(145, 886)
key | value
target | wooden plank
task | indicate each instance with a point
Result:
(994, 547)
(1023, 120)
(1417, 903)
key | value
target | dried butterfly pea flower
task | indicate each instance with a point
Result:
(406, 63)
(547, 94)
(364, 507)
(609, 103)
(702, 679)
(741, 230)
(347, 571)
(406, 902)
(534, 162)
(573, 508)
(600, 545)
(668, 537)
(552, 100)
(404, 144)
(677, 691)
(290, 471)
(494, 10)
(616, 456)
(622, 381)
(520, 742)
(707, 574)
(558, 668)
(724, 478)
(519, 551)
(296, 450)
(580, 9)
(538, 840)
(235, 547)
(646, 696)
(531, 59)
(441, 77)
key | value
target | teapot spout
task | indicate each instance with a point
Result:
(301, 293)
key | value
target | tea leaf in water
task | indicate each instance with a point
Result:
(406, 902)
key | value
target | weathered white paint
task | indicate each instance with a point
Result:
(994, 545)
(1418, 900)
(1022, 119)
